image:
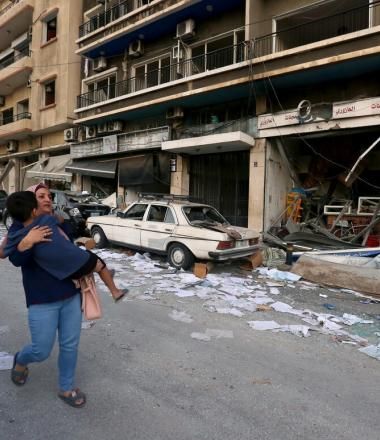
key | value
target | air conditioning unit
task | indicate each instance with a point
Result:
(100, 64)
(91, 132)
(177, 53)
(115, 126)
(175, 112)
(70, 134)
(2, 100)
(185, 29)
(136, 48)
(102, 128)
(12, 146)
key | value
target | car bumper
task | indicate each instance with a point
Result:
(231, 254)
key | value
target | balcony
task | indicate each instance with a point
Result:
(15, 72)
(316, 30)
(16, 127)
(15, 19)
(344, 37)
(233, 135)
(112, 30)
(159, 77)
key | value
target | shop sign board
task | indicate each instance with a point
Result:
(353, 109)
(271, 120)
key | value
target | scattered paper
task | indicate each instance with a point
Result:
(200, 336)
(353, 319)
(278, 275)
(372, 351)
(183, 293)
(263, 325)
(6, 361)
(180, 316)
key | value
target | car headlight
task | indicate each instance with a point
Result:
(74, 212)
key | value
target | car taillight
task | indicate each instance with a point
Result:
(225, 245)
(253, 241)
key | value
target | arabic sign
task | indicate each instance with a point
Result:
(364, 107)
(278, 120)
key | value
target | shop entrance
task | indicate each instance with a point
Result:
(222, 180)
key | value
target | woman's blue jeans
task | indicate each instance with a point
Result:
(44, 322)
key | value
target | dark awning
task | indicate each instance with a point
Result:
(53, 168)
(93, 168)
(145, 169)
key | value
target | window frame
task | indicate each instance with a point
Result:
(44, 94)
(145, 64)
(45, 30)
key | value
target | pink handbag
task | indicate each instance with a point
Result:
(90, 300)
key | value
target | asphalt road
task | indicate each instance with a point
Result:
(146, 378)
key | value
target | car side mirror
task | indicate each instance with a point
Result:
(120, 214)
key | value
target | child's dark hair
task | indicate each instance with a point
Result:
(20, 205)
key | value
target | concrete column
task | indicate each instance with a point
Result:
(256, 202)
(261, 105)
(76, 182)
(86, 183)
(14, 177)
(180, 179)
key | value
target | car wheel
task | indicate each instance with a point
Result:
(99, 237)
(8, 221)
(180, 257)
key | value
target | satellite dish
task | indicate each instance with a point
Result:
(304, 110)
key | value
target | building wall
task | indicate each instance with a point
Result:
(57, 60)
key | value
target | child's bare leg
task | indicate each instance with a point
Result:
(107, 279)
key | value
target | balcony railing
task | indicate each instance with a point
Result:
(203, 63)
(339, 24)
(110, 15)
(10, 119)
(23, 53)
(246, 124)
(352, 20)
(9, 6)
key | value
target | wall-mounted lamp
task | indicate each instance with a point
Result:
(173, 164)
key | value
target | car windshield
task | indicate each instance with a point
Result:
(203, 214)
(82, 198)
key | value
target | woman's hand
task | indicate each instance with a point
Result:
(38, 234)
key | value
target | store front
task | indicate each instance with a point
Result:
(222, 180)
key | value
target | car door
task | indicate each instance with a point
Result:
(158, 226)
(127, 228)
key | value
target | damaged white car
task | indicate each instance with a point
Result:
(182, 230)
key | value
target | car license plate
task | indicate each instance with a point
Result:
(94, 214)
(241, 243)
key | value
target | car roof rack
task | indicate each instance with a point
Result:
(162, 197)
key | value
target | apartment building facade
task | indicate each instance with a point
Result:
(39, 82)
(230, 102)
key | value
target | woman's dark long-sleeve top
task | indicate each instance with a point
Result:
(40, 287)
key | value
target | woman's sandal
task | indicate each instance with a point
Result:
(76, 398)
(124, 292)
(18, 377)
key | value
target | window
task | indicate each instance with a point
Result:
(136, 212)
(102, 89)
(49, 93)
(153, 73)
(7, 116)
(159, 213)
(23, 107)
(50, 29)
